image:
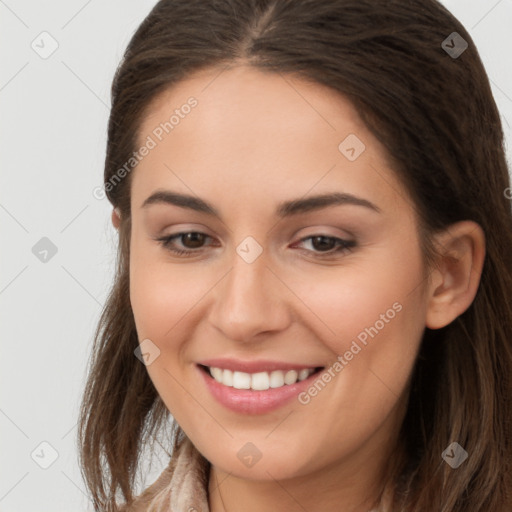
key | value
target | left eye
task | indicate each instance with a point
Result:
(322, 244)
(339, 244)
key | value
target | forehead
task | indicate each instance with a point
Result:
(257, 102)
(259, 135)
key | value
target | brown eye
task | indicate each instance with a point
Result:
(193, 238)
(323, 243)
(192, 241)
(328, 244)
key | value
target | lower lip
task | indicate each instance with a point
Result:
(248, 401)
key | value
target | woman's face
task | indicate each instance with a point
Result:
(276, 279)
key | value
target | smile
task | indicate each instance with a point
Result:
(261, 388)
(259, 381)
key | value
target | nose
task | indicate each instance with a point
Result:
(249, 301)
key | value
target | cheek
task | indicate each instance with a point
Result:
(375, 315)
(163, 300)
(161, 294)
(373, 293)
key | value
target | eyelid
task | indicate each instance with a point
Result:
(321, 230)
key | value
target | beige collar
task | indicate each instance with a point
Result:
(182, 486)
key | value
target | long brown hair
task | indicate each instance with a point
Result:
(435, 114)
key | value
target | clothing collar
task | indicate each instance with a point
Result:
(182, 486)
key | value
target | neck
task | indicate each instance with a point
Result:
(346, 488)
(358, 482)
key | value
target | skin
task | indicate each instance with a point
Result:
(254, 140)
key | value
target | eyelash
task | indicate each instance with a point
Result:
(343, 245)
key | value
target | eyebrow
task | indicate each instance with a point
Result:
(284, 209)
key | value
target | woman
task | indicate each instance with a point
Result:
(315, 264)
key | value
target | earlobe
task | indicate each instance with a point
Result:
(116, 218)
(454, 281)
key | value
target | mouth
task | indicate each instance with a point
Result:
(255, 387)
(259, 381)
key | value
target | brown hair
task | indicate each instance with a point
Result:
(437, 118)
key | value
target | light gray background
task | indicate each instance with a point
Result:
(54, 115)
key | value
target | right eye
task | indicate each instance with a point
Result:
(194, 238)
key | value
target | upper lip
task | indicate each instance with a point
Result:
(238, 365)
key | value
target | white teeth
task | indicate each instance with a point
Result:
(303, 374)
(241, 380)
(217, 374)
(276, 379)
(259, 381)
(227, 377)
(290, 377)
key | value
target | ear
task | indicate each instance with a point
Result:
(454, 281)
(116, 218)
